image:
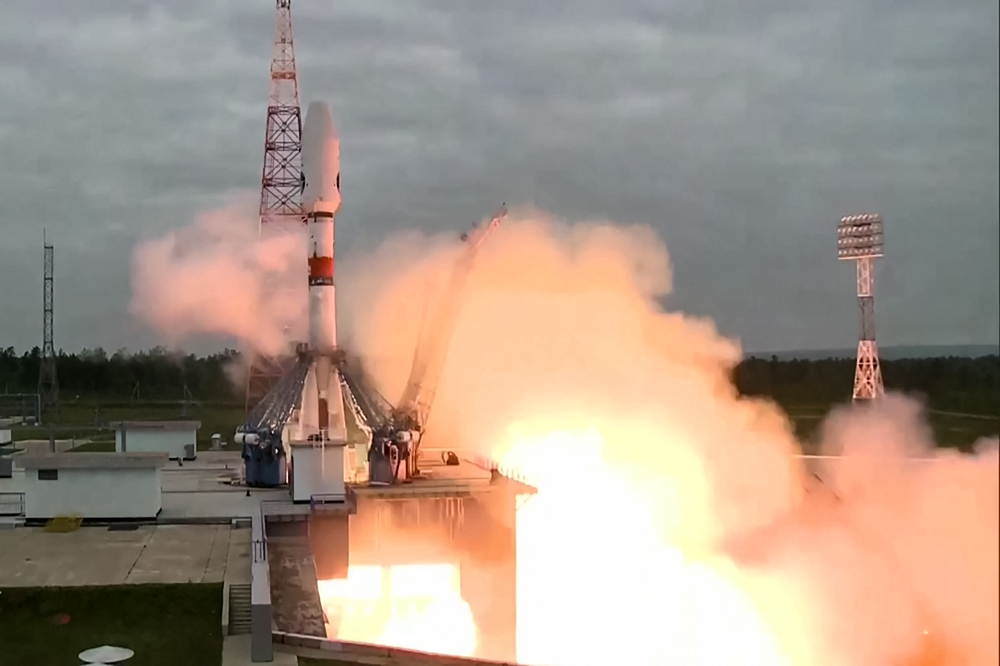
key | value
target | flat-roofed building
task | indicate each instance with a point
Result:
(178, 439)
(91, 485)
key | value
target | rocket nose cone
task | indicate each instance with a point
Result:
(320, 155)
(318, 124)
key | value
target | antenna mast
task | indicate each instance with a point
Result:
(281, 179)
(859, 239)
(48, 383)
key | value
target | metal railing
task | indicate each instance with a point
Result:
(259, 544)
(503, 470)
(259, 550)
(11, 504)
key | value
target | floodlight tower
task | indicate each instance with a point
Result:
(859, 239)
(281, 179)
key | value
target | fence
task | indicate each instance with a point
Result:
(11, 504)
(21, 407)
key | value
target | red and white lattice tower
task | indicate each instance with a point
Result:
(281, 180)
(859, 239)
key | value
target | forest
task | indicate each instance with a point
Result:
(966, 385)
(962, 395)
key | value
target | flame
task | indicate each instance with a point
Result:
(412, 606)
(599, 579)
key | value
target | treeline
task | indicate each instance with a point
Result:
(967, 385)
(156, 374)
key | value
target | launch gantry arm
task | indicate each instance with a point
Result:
(432, 347)
(263, 427)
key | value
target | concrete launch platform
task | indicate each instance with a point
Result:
(460, 516)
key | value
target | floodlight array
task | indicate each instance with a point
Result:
(859, 236)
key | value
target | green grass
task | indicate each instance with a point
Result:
(950, 431)
(222, 418)
(96, 446)
(163, 624)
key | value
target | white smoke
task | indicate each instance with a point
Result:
(217, 276)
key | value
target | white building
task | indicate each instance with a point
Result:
(317, 470)
(178, 439)
(91, 485)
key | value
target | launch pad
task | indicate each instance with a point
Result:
(350, 569)
(376, 532)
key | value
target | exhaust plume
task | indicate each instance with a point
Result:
(217, 276)
(675, 522)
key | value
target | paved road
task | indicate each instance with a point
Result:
(150, 554)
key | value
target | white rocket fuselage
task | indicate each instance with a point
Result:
(322, 405)
(321, 199)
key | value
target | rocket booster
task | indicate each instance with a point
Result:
(321, 199)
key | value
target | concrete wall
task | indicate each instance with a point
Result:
(93, 493)
(260, 594)
(171, 442)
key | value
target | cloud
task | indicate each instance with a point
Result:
(740, 134)
(689, 501)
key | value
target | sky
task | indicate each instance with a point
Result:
(739, 131)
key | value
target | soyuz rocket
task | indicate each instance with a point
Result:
(321, 400)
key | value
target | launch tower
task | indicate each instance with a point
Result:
(859, 239)
(281, 179)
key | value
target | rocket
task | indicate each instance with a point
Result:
(322, 402)
(321, 199)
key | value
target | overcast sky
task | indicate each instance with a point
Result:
(740, 130)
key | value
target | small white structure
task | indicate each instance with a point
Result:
(92, 485)
(178, 439)
(318, 470)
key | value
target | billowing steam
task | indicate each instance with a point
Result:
(674, 523)
(217, 276)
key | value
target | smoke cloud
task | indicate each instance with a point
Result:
(217, 276)
(675, 522)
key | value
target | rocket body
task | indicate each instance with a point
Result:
(321, 199)
(322, 291)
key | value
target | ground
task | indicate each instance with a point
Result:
(30, 556)
(163, 624)
(222, 418)
(80, 416)
(951, 430)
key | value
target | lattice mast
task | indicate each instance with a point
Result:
(859, 239)
(48, 382)
(281, 179)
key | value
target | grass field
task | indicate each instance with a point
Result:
(163, 624)
(222, 418)
(76, 421)
(950, 430)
